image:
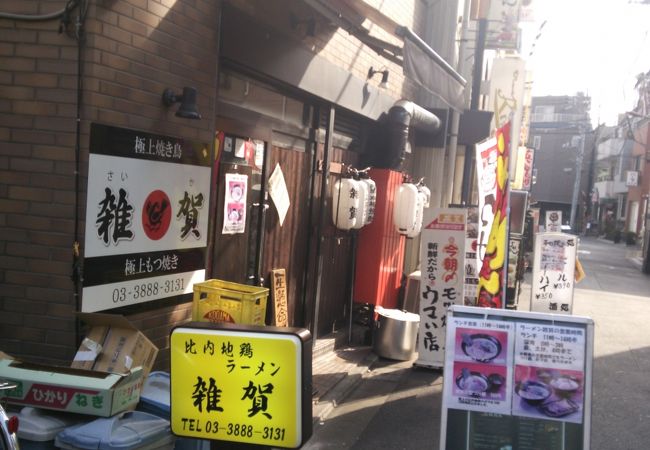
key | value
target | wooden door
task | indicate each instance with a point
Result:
(285, 245)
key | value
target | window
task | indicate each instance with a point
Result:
(622, 204)
(544, 113)
(537, 142)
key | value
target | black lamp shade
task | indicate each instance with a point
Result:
(188, 109)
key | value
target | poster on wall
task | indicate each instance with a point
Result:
(553, 273)
(146, 217)
(234, 205)
(521, 380)
(442, 252)
(279, 193)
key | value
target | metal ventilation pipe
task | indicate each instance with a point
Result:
(401, 116)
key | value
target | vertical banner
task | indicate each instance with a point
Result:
(491, 283)
(523, 176)
(442, 256)
(503, 24)
(553, 273)
(234, 205)
(471, 268)
(507, 82)
(146, 217)
(487, 155)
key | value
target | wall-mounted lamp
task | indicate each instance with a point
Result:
(309, 24)
(188, 109)
(384, 76)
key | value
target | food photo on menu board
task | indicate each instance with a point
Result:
(481, 345)
(480, 369)
(548, 393)
(480, 381)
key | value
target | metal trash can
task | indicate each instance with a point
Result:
(395, 333)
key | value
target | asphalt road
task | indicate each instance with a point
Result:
(397, 406)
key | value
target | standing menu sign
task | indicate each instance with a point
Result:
(516, 380)
(146, 217)
(237, 383)
(553, 222)
(442, 252)
(553, 273)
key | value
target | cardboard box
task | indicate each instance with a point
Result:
(106, 376)
(113, 344)
(72, 390)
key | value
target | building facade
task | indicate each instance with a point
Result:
(560, 132)
(294, 85)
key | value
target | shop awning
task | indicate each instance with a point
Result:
(418, 60)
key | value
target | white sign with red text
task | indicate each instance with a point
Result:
(146, 217)
(442, 256)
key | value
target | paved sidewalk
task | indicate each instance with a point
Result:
(353, 383)
(335, 374)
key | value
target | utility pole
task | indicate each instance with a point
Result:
(477, 77)
(576, 184)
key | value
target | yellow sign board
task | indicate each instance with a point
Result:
(241, 384)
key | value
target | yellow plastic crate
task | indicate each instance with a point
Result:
(224, 301)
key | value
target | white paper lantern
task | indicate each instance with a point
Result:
(345, 203)
(364, 198)
(407, 201)
(371, 201)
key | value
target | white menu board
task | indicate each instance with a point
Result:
(516, 380)
(553, 273)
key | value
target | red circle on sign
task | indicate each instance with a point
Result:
(156, 215)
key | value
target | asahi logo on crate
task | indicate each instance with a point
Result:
(217, 315)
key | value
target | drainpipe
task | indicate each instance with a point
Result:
(401, 116)
(455, 115)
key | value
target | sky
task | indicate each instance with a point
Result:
(592, 46)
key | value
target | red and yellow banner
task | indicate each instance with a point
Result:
(491, 284)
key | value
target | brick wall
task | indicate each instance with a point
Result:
(340, 47)
(134, 50)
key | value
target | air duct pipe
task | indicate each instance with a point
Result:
(401, 116)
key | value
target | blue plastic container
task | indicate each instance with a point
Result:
(38, 427)
(134, 430)
(155, 399)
